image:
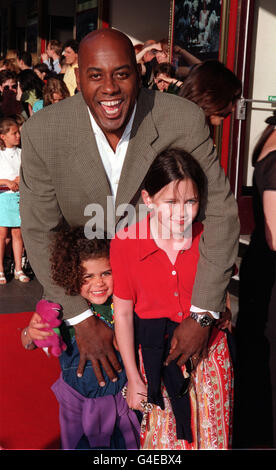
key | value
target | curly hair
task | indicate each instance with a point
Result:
(69, 249)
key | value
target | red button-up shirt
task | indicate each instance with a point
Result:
(143, 273)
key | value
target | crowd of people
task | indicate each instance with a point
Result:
(129, 128)
(25, 89)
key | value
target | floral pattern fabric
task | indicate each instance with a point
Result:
(211, 398)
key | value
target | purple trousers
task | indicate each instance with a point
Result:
(94, 417)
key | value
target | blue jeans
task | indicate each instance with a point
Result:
(87, 385)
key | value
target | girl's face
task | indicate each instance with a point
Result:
(98, 280)
(12, 137)
(175, 207)
(55, 98)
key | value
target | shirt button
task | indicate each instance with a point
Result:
(173, 273)
(180, 314)
(175, 294)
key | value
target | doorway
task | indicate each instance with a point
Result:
(257, 69)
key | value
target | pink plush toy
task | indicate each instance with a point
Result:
(49, 313)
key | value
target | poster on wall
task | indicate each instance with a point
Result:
(195, 27)
(89, 16)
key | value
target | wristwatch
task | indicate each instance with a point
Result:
(202, 319)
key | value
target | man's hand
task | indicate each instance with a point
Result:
(44, 56)
(190, 340)
(95, 343)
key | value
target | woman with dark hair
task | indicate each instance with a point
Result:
(43, 72)
(30, 89)
(214, 88)
(154, 262)
(8, 89)
(256, 324)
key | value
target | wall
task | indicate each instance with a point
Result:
(263, 77)
(141, 20)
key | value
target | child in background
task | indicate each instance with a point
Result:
(154, 265)
(91, 416)
(10, 161)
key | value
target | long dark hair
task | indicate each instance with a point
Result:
(175, 164)
(29, 80)
(212, 86)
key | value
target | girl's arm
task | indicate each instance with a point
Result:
(140, 55)
(34, 332)
(13, 185)
(124, 330)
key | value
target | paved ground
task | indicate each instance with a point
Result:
(17, 297)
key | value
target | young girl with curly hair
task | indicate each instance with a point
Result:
(91, 416)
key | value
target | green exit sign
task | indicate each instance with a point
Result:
(272, 98)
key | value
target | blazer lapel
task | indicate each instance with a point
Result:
(140, 153)
(86, 158)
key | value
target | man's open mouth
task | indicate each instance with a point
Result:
(111, 108)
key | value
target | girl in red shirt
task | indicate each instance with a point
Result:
(154, 265)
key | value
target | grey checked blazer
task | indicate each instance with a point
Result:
(62, 172)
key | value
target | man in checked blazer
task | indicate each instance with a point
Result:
(73, 155)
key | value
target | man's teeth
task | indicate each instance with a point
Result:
(111, 107)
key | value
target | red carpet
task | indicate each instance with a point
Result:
(28, 407)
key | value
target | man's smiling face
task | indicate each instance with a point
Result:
(109, 80)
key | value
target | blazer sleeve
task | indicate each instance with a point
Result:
(219, 242)
(40, 218)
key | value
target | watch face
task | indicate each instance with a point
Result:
(205, 321)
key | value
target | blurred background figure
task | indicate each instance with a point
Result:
(29, 91)
(70, 52)
(52, 56)
(255, 425)
(54, 91)
(164, 78)
(24, 60)
(9, 105)
(43, 72)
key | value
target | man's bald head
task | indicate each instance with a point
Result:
(99, 36)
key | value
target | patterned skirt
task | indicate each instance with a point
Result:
(211, 398)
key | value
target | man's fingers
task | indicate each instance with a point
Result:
(174, 355)
(114, 361)
(98, 373)
(81, 366)
(109, 369)
(173, 344)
